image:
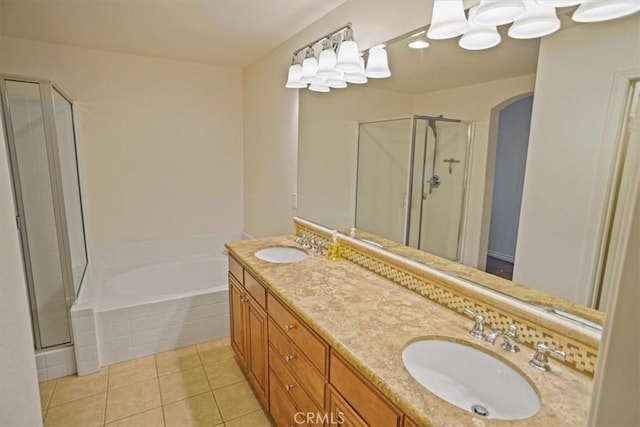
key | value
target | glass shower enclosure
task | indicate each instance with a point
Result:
(39, 130)
(411, 181)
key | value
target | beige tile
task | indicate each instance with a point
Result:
(46, 390)
(236, 400)
(180, 385)
(254, 419)
(213, 352)
(196, 411)
(177, 360)
(223, 373)
(87, 412)
(209, 345)
(152, 418)
(132, 399)
(73, 387)
(132, 371)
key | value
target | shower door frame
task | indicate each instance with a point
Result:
(465, 179)
(46, 88)
(412, 145)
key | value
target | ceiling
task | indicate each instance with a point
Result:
(221, 32)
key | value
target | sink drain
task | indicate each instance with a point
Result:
(480, 410)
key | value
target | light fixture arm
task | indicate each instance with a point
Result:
(347, 26)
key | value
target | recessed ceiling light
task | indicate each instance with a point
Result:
(419, 44)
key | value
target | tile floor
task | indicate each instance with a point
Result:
(199, 385)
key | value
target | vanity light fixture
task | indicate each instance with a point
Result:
(560, 3)
(448, 20)
(479, 36)
(531, 18)
(604, 10)
(538, 21)
(338, 63)
(499, 12)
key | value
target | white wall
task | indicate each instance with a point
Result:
(327, 148)
(570, 156)
(160, 141)
(271, 110)
(474, 103)
(19, 394)
(511, 158)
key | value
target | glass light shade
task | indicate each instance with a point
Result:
(419, 44)
(348, 57)
(309, 70)
(293, 79)
(377, 64)
(336, 83)
(604, 10)
(479, 36)
(319, 87)
(559, 3)
(538, 21)
(499, 12)
(327, 64)
(447, 20)
(357, 77)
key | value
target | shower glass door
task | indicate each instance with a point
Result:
(41, 142)
(384, 153)
(443, 145)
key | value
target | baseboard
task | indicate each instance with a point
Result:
(501, 256)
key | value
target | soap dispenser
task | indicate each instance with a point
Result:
(334, 247)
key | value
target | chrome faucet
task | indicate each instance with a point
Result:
(477, 331)
(303, 241)
(509, 343)
(316, 246)
(540, 360)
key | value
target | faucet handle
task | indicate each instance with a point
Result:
(478, 328)
(540, 360)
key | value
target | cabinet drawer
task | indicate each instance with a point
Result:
(236, 269)
(292, 386)
(297, 363)
(255, 289)
(280, 406)
(311, 346)
(371, 406)
(340, 411)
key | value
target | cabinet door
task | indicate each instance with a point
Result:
(257, 341)
(237, 314)
(340, 412)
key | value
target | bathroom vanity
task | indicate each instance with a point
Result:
(322, 341)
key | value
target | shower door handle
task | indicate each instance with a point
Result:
(433, 182)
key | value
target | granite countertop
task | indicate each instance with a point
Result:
(369, 320)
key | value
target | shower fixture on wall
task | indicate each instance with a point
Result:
(338, 62)
(529, 19)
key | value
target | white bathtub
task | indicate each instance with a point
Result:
(147, 297)
(151, 283)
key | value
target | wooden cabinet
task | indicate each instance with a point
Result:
(298, 377)
(373, 408)
(249, 329)
(341, 412)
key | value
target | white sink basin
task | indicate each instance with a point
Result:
(281, 254)
(471, 379)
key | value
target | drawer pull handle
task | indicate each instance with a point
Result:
(288, 387)
(289, 358)
(290, 327)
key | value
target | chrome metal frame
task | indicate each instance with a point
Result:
(468, 151)
(45, 88)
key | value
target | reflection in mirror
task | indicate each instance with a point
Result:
(541, 167)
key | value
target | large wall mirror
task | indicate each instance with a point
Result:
(504, 160)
